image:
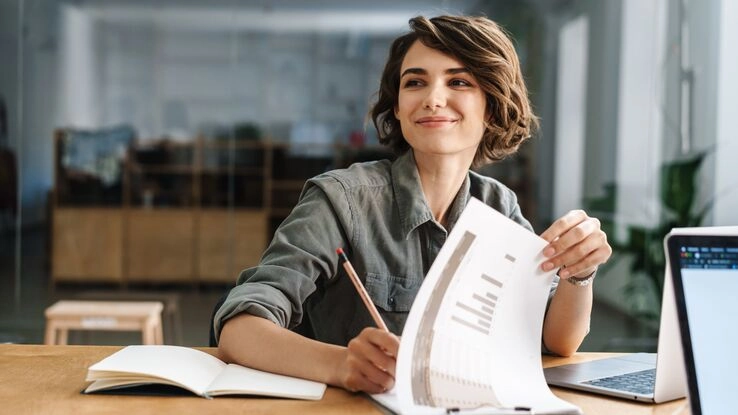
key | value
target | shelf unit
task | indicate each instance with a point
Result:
(194, 212)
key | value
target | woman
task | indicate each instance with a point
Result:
(451, 96)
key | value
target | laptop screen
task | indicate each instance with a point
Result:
(705, 276)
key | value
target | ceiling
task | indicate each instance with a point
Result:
(376, 16)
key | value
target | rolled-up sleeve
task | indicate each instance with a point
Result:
(301, 252)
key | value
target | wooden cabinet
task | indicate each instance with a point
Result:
(224, 236)
(160, 245)
(196, 212)
(87, 244)
(180, 213)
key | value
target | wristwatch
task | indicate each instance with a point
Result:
(581, 281)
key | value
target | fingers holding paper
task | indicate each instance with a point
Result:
(577, 245)
(370, 361)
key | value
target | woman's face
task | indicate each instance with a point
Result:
(441, 108)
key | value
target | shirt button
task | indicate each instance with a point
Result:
(392, 300)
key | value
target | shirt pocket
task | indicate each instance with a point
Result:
(391, 293)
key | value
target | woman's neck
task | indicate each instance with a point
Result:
(441, 178)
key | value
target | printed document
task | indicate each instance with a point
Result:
(473, 336)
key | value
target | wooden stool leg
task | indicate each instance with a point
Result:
(158, 331)
(148, 332)
(63, 336)
(50, 334)
(145, 335)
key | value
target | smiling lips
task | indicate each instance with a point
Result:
(435, 121)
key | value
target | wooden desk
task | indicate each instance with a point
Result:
(36, 379)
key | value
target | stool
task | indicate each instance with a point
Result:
(170, 313)
(143, 316)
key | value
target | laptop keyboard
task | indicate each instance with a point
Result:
(634, 382)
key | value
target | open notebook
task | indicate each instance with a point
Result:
(472, 340)
(191, 370)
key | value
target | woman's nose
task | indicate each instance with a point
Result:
(436, 98)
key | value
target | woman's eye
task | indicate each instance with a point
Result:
(412, 82)
(459, 82)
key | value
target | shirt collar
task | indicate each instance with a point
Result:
(459, 203)
(413, 208)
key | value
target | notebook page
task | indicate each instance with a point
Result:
(192, 369)
(236, 379)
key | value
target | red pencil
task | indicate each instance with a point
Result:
(361, 290)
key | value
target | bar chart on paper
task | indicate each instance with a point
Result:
(478, 311)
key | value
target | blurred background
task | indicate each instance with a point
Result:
(148, 150)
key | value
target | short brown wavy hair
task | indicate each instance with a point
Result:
(487, 52)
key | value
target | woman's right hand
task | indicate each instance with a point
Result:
(369, 362)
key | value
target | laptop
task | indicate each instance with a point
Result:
(648, 377)
(705, 280)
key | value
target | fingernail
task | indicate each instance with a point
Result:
(564, 273)
(547, 266)
(549, 251)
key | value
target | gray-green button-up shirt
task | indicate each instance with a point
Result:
(377, 213)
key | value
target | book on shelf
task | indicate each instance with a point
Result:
(472, 340)
(191, 370)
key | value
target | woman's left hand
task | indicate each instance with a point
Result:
(576, 245)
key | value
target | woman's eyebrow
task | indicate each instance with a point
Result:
(454, 71)
(414, 71)
(421, 71)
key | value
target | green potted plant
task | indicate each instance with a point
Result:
(644, 244)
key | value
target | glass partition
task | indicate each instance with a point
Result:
(148, 146)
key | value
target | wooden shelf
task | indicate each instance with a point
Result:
(241, 171)
(181, 215)
(164, 228)
(168, 169)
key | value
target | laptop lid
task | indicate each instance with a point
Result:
(705, 280)
(671, 382)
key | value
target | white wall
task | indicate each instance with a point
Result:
(638, 154)
(78, 97)
(173, 81)
(707, 121)
(571, 112)
(726, 168)
(624, 124)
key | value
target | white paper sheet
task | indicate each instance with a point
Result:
(473, 335)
